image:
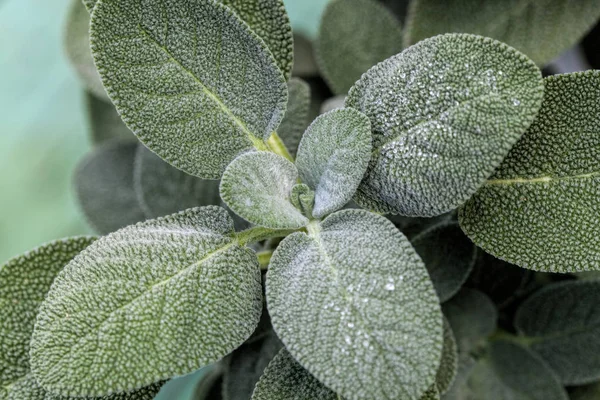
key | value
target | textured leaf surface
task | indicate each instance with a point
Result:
(444, 113)
(77, 47)
(162, 189)
(148, 302)
(104, 186)
(354, 305)
(540, 208)
(449, 364)
(105, 123)
(541, 29)
(472, 317)
(431, 394)
(284, 378)
(562, 324)
(333, 156)
(194, 83)
(510, 372)
(295, 121)
(355, 35)
(269, 20)
(257, 187)
(448, 255)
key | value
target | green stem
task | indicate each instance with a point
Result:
(264, 258)
(276, 145)
(259, 233)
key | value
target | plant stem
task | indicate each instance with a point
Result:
(264, 258)
(259, 233)
(276, 145)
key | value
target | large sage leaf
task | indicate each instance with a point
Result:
(295, 121)
(148, 302)
(257, 186)
(355, 35)
(449, 363)
(562, 324)
(333, 156)
(542, 29)
(284, 378)
(354, 305)
(104, 186)
(444, 114)
(191, 79)
(105, 123)
(540, 208)
(448, 255)
(269, 20)
(163, 189)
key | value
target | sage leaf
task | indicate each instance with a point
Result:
(431, 394)
(539, 209)
(198, 87)
(105, 123)
(333, 156)
(353, 36)
(257, 187)
(356, 283)
(154, 300)
(104, 186)
(413, 226)
(561, 323)
(77, 48)
(448, 255)
(541, 29)
(269, 20)
(449, 363)
(194, 386)
(162, 189)
(295, 121)
(473, 318)
(434, 148)
(284, 378)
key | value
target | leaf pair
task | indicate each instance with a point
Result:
(332, 157)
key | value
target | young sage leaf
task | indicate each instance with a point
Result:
(444, 114)
(148, 302)
(449, 363)
(561, 323)
(269, 20)
(105, 123)
(163, 189)
(284, 378)
(104, 186)
(448, 255)
(191, 79)
(353, 36)
(542, 29)
(295, 121)
(333, 156)
(539, 209)
(257, 187)
(353, 303)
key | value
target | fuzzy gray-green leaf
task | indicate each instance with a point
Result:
(295, 121)
(542, 29)
(191, 79)
(269, 20)
(148, 302)
(257, 187)
(77, 48)
(449, 364)
(285, 379)
(448, 255)
(356, 283)
(540, 208)
(105, 123)
(444, 113)
(562, 324)
(355, 35)
(104, 186)
(163, 189)
(333, 156)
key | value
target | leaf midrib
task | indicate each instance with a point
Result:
(541, 179)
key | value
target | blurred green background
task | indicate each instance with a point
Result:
(43, 124)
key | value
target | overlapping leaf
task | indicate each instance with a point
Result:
(104, 186)
(356, 283)
(333, 156)
(191, 79)
(542, 29)
(105, 123)
(257, 186)
(194, 386)
(444, 114)
(449, 363)
(148, 302)
(562, 324)
(295, 121)
(355, 35)
(540, 208)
